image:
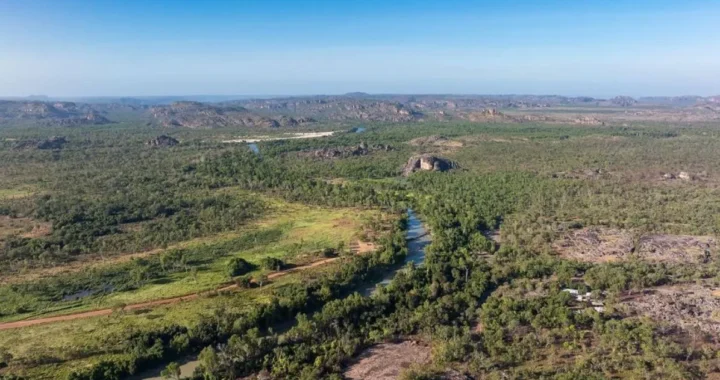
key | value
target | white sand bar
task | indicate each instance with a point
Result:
(286, 136)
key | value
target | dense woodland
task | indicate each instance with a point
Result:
(490, 309)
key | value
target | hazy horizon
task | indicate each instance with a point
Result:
(86, 49)
(267, 96)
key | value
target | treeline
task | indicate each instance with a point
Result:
(59, 291)
(130, 222)
(249, 171)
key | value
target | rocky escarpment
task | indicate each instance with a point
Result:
(201, 115)
(162, 141)
(339, 108)
(345, 151)
(65, 114)
(427, 162)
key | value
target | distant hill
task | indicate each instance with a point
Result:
(288, 112)
(50, 113)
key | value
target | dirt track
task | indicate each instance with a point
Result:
(145, 305)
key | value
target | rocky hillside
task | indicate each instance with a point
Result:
(338, 108)
(50, 113)
(203, 115)
(360, 107)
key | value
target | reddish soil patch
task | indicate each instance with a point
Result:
(388, 360)
(688, 306)
(600, 244)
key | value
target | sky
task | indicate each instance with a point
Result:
(295, 47)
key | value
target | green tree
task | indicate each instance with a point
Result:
(238, 266)
(171, 372)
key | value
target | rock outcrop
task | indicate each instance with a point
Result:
(345, 151)
(57, 142)
(427, 162)
(201, 115)
(339, 108)
(62, 114)
(53, 143)
(162, 141)
(623, 101)
(435, 141)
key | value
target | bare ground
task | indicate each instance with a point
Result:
(388, 360)
(435, 141)
(24, 227)
(688, 306)
(601, 244)
(360, 247)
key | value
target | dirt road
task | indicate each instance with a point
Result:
(150, 304)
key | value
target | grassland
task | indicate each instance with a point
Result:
(57, 349)
(535, 184)
(304, 232)
(54, 350)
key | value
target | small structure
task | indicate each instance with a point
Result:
(586, 298)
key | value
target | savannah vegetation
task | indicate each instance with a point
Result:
(205, 213)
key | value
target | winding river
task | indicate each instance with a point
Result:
(418, 238)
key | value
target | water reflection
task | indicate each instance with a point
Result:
(418, 238)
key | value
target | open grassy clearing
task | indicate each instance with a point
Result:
(304, 232)
(48, 351)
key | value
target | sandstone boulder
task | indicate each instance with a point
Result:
(427, 162)
(162, 141)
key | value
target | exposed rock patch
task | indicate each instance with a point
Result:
(162, 141)
(435, 141)
(201, 115)
(593, 173)
(688, 306)
(623, 101)
(345, 151)
(488, 114)
(601, 244)
(54, 143)
(427, 162)
(340, 108)
(586, 120)
(683, 176)
(65, 114)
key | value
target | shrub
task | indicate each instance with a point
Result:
(238, 267)
(272, 263)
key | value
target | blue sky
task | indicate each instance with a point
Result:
(274, 47)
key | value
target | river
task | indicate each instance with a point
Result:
(418, 238)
